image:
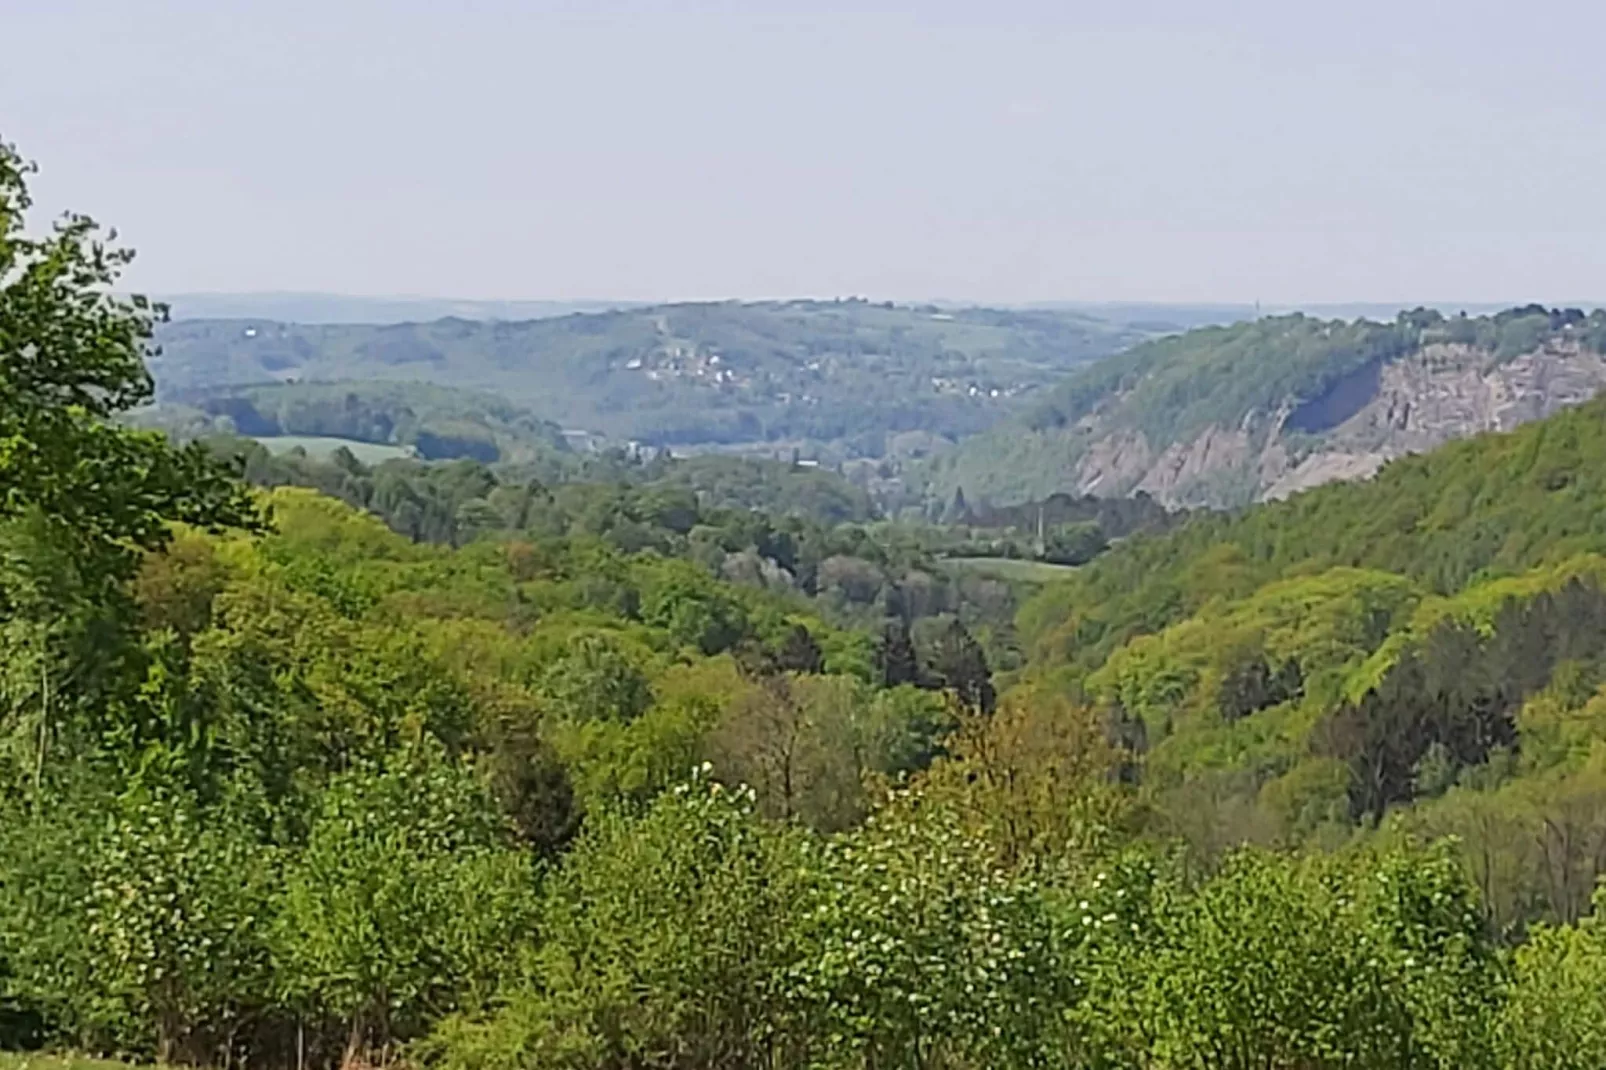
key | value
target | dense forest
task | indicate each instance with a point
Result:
(768, 525)
(408, 763)
(1428, 645)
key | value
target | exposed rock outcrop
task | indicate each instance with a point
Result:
(1440, 393)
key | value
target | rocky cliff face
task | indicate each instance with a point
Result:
(1441, 392)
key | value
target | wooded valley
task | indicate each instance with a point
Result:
(619, 763)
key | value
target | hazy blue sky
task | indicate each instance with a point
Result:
(1285, 151)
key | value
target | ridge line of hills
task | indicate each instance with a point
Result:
(836, 382)
(1225, 415)
(916, 403)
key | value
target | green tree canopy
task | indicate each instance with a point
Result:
(72, 356)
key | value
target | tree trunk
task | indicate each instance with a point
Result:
(354, 1055)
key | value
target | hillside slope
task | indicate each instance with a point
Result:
(1429, 644)
(843, 372)
(437, 422)
(1223, 416)
(1491, 505)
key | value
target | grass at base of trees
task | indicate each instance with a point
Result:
(38, 1060)
(1010, 568)
(322, 446)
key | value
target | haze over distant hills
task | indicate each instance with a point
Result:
(292, 306)
(1211, 405)
(310, 307)
(836, 379)
(319, 308)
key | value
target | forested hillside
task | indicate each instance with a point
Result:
(558, 777)
(1223, 416)
(433, 422)
(841, 378)
(762, 524)
(1433, 641)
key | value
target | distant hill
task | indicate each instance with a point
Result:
(436, 422)
(1226, 415)
(838, 378)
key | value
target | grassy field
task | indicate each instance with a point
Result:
(32, 1060)
(319, 446)
(1010, 568)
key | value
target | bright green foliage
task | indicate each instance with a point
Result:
(693, 609)
(71, 357)
(177, 913)
(376, 718)
(46, 963)
(1262, 970)
(922, 952)
(402, 903)
(766, 526)
(1446, 626)
(1555, 1013)
(1495, 504)
(59, 647)
(139, 921)
(596, 680)
(664, 943)
(1278, 962)
(33, 1060)
(610, 759)
(414, 776)
(80, 497)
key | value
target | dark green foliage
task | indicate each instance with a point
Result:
(1061, 529)
(531, 787)
(1452, 682)
(1456, 698)
(760, 524)
(693, 609)
(896, 661)
(955, 662)
(1215, 375)
(1252, 685)
(797, 652)
(459, 500)
(1116, 517)
(596, 679)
